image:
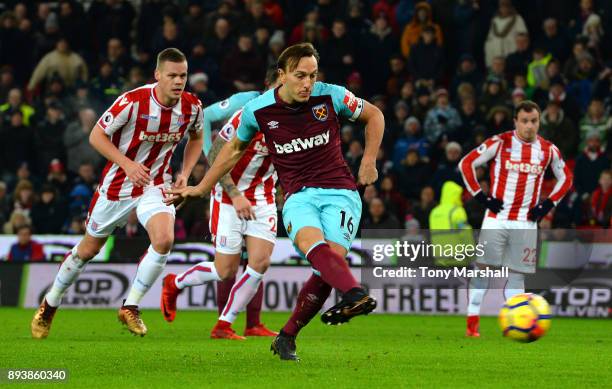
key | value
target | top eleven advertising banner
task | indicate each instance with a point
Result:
(585, 293)
(418, 272)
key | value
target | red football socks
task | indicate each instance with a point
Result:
(253, 309)
(309, 302)
(333, 268)
(223, 291)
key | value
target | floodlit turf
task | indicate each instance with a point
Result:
(375, 351)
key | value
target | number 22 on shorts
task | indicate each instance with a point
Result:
(272, 221)
(530, 255)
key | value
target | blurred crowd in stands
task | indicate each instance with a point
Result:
(445, 73)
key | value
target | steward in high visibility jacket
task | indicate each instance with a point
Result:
(449, 228)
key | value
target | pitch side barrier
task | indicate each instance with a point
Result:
(418, 273)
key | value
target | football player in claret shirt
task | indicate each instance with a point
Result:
(517, 162)
(301, 121)
(138, 135)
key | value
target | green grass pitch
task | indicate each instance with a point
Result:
(374, 351)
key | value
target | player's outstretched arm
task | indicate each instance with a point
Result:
(374, 131)
(193, 149)
(241, 204)
(228, 157)
(136, 172)
(226, 181)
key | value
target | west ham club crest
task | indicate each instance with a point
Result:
(320, 112)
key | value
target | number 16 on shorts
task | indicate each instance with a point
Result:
(346, 222)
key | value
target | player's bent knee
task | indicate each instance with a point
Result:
(226, 272)
(163, 245)
(304, 246)
(227, 265)
(260, 265)
(307, 237)
(89, 247)
(161, 232)
(162, 242)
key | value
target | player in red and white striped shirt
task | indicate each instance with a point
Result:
(254, 174)
(243, 209)
(146, 132)
(138, 135)
(517, 162)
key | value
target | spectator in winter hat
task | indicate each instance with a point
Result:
(411, 139)
(589, 164)
(518, 95)
(442, 120)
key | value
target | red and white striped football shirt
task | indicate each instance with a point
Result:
(254, 175)
(145, 131)
(516, 172)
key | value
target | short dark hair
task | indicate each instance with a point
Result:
(527, 106)
(290, 57)
(170, 54)
(271, 76)
(23, 227)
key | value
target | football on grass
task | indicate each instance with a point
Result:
(525, 317)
